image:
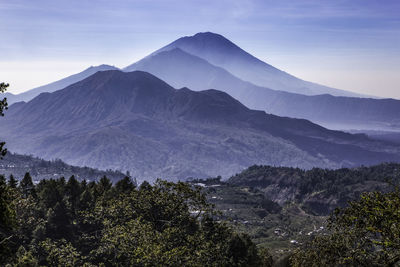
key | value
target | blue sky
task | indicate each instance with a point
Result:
(347, 44)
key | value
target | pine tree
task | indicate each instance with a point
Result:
(103, 186)
(73, 192)
(7, 220)
(12, 182)
(6, 212)
(58, 222)
(26, 186)
(124, 185)
(85, 200)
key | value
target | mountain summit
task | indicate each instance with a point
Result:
(221, 52)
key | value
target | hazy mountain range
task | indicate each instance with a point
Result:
(137, 122)
(179, 69)
(210, 61)
(136, 119)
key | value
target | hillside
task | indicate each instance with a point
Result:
(39, 169)
(276, 205)
(137, 122)
(318, 190)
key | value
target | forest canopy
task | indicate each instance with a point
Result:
(70, 223)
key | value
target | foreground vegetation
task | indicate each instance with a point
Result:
(71, 223)
(75, 223)
(366, 233)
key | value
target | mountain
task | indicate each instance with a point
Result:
(180, 69)
(137, 122)
(39, 169)
(57, 85)
(221, 52)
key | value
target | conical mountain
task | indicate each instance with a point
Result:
(221, 52)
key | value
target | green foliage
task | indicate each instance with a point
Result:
(68, 223)
(25, 258)
(366, 233)
(59, 253)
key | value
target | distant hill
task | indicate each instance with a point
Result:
(319, 191)
(137, 122)
(57, 85)
(18, 165)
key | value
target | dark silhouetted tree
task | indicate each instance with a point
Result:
(3, 106)
(26, 186)
(12, 182)
(125, 185)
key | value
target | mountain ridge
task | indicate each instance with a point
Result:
(135, 121)
(180, 68)
(57, 85)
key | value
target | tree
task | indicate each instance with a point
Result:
(167, 224)
(366, 233)
(7, 214)
(103, 187)
(12, 182)
(3, 106)
(25, 258)
(7, 219)
(58, 223)
(26, 186)
(59, 253)
(125, 185)
(73, 192)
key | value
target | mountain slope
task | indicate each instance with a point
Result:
(318, 190)
(137, 122)
(57, 85)
(221, 52)
(180, 69)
